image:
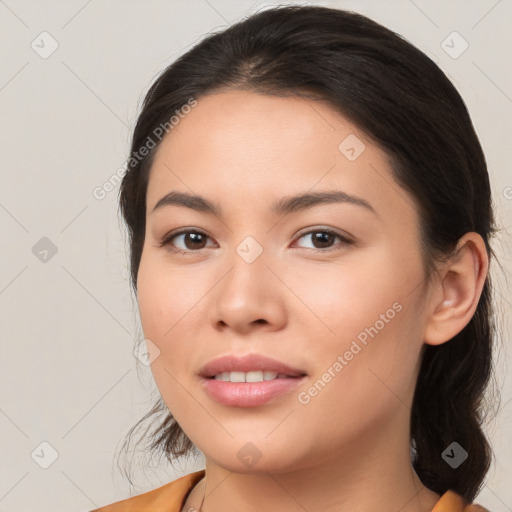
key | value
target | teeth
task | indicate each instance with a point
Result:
(255, 376)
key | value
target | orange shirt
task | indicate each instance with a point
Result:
(171, 498)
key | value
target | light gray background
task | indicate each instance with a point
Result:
(69, 377)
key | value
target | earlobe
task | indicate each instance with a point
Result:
(458, 291)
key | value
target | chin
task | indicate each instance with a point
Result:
(249, 458)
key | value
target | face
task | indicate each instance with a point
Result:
(333, 288)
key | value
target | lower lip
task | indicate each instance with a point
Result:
(249, 394)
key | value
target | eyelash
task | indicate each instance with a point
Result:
(166, 240)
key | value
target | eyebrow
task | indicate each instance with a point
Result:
(283, 206)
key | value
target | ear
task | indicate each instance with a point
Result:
(457, 292)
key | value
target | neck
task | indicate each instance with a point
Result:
(376, 478)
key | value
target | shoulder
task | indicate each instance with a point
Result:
(451, 501)
(167, 498)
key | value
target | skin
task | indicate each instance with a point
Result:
(348, 448)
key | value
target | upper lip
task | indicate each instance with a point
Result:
(247, 363)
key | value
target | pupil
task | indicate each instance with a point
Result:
(195, 237)
(321, 237)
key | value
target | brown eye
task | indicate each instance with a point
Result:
(324, 238)
(192, 241)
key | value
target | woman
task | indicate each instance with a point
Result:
(310, 217)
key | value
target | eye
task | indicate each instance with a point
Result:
(323, 237)
(194, 240)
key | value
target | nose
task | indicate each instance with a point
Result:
(249, 296)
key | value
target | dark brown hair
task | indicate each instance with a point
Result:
(401, 100)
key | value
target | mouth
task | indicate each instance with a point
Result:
(248, 368)
(250, 380)
(253, 376)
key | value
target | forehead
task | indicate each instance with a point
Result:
(250, 129)
(239, 147)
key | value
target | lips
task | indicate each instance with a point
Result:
(248, 363)
(240, 392)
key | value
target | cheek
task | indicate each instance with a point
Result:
(168, 302)
(349, 296)
(167, 297)
(372, 321)
(365, 379)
